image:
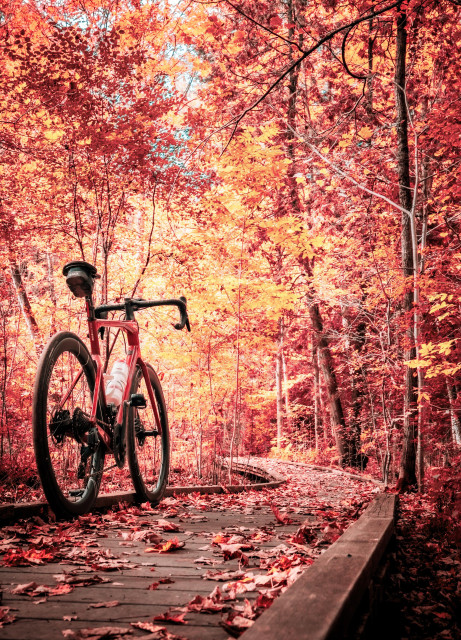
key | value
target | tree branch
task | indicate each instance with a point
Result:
(237, 119)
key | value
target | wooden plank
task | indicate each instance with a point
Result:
(52, 630)
(322, 603)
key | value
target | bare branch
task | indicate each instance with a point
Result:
(237, 119)
(345, 175)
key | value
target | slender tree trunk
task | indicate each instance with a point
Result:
(455, 421)
(53, 298)
(355, 339)
(24, 304)
(316, 394)
(236, 422)
(286, 396)
(407, 474)
(369, 101)
(279, 396)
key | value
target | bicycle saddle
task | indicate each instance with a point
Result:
(80, 277)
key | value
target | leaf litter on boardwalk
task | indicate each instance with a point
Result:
(328, 504)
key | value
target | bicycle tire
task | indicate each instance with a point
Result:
(148, 456)
(70, 491)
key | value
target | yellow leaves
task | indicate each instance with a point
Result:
(423, 396)
(432, 358)
(29, 167)
(317, 241)
(365, 133)
(445, 347)
(53, 135)
(425, 349)
(422, 364)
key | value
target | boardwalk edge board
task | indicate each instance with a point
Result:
(261, 480)
(324, 602)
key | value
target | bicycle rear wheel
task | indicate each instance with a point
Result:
(148, 452)
(70, 459)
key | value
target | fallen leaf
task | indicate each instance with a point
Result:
(168, 616)
(148, 626)
(282, 518)
(169, 545)
(6, 617)
(24, 588)
(97, 633)
(236, 624)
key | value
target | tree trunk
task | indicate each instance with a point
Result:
(316, 394)
(454, 417)
(279, 395)
(286, 395)
(24, 304)
(53, 298)
(346, 449)
(346, 453)
(407, 474)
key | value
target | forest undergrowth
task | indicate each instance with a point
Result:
(422, 596)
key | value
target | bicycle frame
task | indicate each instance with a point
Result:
(130, 327)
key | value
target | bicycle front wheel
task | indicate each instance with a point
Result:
(148, 451)
(70, 459)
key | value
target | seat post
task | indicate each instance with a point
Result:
(90, 307)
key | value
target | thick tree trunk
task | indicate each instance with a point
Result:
(347, 453)
(407, 473)
(355, 339)
(346, 449)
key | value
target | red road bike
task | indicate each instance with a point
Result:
(74, 426)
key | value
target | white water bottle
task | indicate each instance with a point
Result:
(116, 382)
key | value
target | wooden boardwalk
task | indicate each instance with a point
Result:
(109, 549)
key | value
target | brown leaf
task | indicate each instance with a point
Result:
(167, 526)
(236, 624)
(169, 545)
(106, 605)
(223, 576)
(24, 588)
(6, 617)
(148, 626)
(280, 517)
(168, 616)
